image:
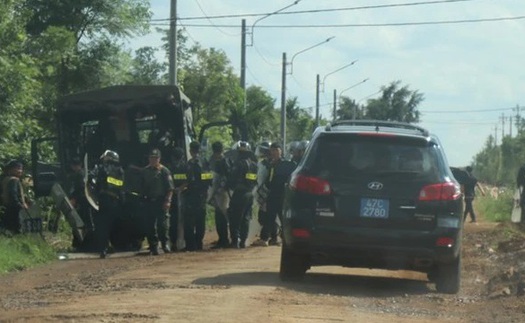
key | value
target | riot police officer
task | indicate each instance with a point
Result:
(219, 196)
(243, 180)
(158, 190)
(109, 181)
(177, 165)
(199, 180)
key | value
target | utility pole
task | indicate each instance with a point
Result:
(335, 103)
(510, 126)
(496, 136)
(173, 43)
(283, 105)
(502, 126)
(317, 102)
(243, 55)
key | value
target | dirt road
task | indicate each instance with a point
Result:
(243, 286)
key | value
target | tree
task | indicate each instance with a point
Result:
(395, 104)
(18, 86)
(299, 122)
(146, 69)
(349, 109)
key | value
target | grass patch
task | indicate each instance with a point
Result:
(496, 210)
(23, 251)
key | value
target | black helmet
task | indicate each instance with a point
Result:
(242, 146)
(110, 155)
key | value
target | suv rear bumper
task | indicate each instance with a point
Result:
(372, 249)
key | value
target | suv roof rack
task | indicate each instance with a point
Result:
(377, 124)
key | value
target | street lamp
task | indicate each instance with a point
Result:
(317, 91)
(337, 70)
(343, 91)
(283, 87)
(270, 14)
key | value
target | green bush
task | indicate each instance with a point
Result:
(495, 210)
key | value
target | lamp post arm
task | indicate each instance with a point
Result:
(337, 70)
(268, 15)
(351, 87)
(306, 49)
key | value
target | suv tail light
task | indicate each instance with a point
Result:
(310, 185)
(447, 191)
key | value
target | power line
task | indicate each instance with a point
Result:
(245, 15)
(395, 24)
(211, 22)
(466, 111)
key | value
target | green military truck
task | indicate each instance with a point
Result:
(129, 119)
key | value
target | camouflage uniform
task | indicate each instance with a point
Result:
(157, 189)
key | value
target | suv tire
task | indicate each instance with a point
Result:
(448, 277)
(293, 265)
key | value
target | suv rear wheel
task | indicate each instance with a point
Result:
(448, 277)
(293, 265)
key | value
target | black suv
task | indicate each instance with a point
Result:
(374, 194)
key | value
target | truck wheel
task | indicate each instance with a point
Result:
(293, 265)
(448, 278)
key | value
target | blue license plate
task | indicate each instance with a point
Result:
(374, 208)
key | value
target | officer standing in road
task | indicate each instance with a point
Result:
(261, 192)
(178, 167)
(279, 173)
(109, 182)
(199, 180)
(158, 190)
(243, 180)
(470, 192)
(219, 195)
(13, 196)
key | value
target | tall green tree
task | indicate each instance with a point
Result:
(395, 104)
(299, 121)
(19, 87)
(349, 109)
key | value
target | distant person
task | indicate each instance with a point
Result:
(520, 181)
(243, 179)
(278, 174)
(109, 179)
(13, 196)
(199, 180)
(219, 196)
(470, 185)
(158, 189)
(177, 165)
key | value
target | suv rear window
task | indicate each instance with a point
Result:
(342, 155)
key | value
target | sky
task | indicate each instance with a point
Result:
(467, 57)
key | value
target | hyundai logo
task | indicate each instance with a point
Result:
(376, 186)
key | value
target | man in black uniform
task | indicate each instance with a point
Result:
(279, 173)
(219, 195)
(178, 167)
(470, 192)
(13, 196)
(109, 187)
(243, 179)
(199, 179)
(158, 190)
